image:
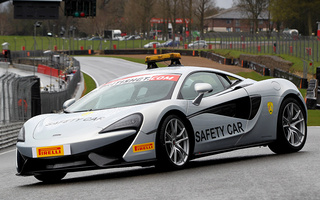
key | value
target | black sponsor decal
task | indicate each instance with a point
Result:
(242, 108)
(219, 131)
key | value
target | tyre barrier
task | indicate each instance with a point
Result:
(214, 57)
(297, 80)
(9, 133)
(79, 52)
(261, 69)
(312, 94)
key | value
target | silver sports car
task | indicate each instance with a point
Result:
(163, 117)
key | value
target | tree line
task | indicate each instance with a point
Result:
(133, 17)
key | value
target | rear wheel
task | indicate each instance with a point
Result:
(51, 177)
(291, 128)
(173, 143)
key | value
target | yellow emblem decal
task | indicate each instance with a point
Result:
(143, 147)
(87, 113)
(270, 107)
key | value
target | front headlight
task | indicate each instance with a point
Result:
(130, 122)
(21, 135)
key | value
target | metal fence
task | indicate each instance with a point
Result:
(53, 101)
(304, 47)
(21, 98)
(16, 98)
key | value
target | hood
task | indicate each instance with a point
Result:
(79, 125)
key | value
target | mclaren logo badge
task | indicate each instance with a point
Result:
(270, 107)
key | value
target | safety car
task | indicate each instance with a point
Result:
(164, 117)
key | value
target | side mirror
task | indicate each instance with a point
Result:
(201, 88)
(68, 103)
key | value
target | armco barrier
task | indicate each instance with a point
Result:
(24, 67)
(79, 52)
(214, 57)
(9, 133)
(182, 52)
(261, 69)
(129, 51)
(298, 81)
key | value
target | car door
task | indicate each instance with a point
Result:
(221, 118)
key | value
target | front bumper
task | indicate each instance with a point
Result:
(102, 157)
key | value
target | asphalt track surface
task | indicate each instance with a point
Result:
(104, 69)
(254, 173)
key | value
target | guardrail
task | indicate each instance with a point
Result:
(9, 133)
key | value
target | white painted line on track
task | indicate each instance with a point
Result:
(7, 152)
(97, 84)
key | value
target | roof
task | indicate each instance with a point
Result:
(236, 13)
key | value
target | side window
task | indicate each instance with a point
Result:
(225, 81)
(188, 91)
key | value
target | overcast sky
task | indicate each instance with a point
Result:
(224, 3)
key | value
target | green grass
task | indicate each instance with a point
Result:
(49, 43)
(89, 84)
(313, 117)
(254, 75)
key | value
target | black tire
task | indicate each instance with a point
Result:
(50, 177)
(291, 128)
(173, 143)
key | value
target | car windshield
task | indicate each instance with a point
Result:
(127, 92)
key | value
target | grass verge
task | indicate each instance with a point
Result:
(89, 84)
(313, 117)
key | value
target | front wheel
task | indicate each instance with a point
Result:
(173, 143)
(291, 128)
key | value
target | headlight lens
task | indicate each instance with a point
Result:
(130, 122)
(21, 135)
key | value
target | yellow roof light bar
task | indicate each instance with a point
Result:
(163, 57)
(173, 57)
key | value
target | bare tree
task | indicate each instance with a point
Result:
(109, 16)
(5, 11)
(200, 9)
(172, 8)
(254, 9)
(146, 14)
